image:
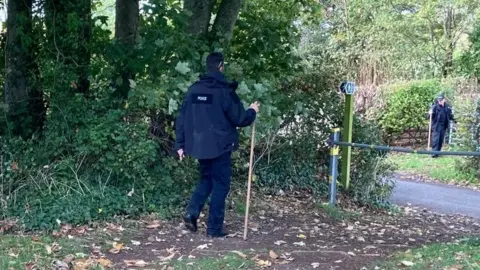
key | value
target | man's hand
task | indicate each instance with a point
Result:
(181, 154)
(430, 112)
(255, 106)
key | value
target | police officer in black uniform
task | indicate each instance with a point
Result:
(441, 114)
(206, 129)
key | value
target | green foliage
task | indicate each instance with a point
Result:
(407, 106)
(294, 156)
(100, 154)
(470, 60)
(371, 172)
(469, 133)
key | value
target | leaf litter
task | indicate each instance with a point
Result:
(333, 242)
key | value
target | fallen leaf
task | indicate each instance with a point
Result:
(135, 263)
(300, 244)
(69, 258)
(13, 253)
(239, 253)
(407, 263)
(105, 262)
(167, 258)
(280, 242)
(201, 247)
(154, 225)
(263, 264)
(135, 243)
(82, 264)
(48, 249)
(273, 255)
(116, 228)
(315, 265)
(30, 266)
(61, 265)
(302, 236)
(116, 248)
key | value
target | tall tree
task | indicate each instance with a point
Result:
(127, 14)
(25, 101)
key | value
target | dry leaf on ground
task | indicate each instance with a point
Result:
(116, 248)
(135, 263)
(273, 255)
(407, 263)
(239, 253)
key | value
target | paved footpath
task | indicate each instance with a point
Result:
(438, 198)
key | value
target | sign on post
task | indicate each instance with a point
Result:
(348, 88)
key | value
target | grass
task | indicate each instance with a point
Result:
(17, 251)
(336, 213)
(463, 255)
(442, 168)
(226, 262)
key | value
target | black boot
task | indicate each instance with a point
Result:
(190, 222)
(219, 234)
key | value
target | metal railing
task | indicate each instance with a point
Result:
(335, 144)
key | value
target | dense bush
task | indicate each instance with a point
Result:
(406, 106)
(101, 153)
(468, 136)
(371, 172)
(297, 157)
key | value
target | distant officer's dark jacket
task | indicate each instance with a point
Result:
(211, 111)
(441, 116)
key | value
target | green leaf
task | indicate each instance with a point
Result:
(133, 84)
(182, 67)
(172, 106)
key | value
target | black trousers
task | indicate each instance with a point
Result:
(438, 138)
(215, 180)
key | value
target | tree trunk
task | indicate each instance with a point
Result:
(127, 14)
(16, 77)
(225, 20)
(201, 12)
(26, 110)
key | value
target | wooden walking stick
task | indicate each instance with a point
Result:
(429, 131)
(250, 173)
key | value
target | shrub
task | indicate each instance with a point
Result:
(296, 156)
(407, 106)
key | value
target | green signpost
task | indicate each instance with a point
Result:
(348, 88)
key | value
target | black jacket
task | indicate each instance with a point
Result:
(206, 126)
(441, 116)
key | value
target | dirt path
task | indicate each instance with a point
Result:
(301, 234)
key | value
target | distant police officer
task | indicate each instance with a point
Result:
(206, 129)
(441, 114)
